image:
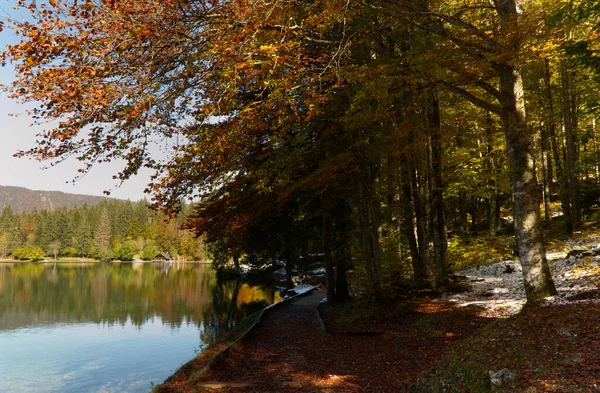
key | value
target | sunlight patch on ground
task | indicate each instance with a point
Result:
(332, 381)
(499, 291)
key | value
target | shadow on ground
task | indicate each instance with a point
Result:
(377, 352)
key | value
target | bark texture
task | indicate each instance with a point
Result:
(526, 209)
(438, 218)
(571, 147)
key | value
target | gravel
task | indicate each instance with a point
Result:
(498, 288)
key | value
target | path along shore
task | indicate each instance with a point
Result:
(289, 352)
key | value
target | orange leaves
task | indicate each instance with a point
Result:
(120, 75)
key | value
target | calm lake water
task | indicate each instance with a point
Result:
(111, 327)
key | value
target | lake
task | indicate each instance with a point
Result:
(112, 327)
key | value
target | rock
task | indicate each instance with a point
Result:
(279, 273)
(500, 378)
(577, 358)
(509, 269)
(575, 252)
(564, 332)
(587, 253)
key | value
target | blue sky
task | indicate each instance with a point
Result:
(16, 134)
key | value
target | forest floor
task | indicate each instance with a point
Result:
(288, 352)
(478, 339)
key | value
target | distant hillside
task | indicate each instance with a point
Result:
(21, 199)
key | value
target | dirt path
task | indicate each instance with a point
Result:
(288, 352)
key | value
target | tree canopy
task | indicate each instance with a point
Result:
(366, 123)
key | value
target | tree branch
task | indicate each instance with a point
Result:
(472, 98)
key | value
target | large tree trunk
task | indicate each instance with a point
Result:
(571, 148)
(440, 234)
(526, 208)
(369, 219)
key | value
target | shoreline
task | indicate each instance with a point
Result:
(93, 261)
(218, 353)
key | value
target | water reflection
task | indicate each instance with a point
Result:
(152, 317)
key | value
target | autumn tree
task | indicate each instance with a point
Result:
(328, 109)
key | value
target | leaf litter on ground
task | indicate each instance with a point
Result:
(445, 344)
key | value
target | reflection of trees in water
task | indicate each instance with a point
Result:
(233, 308)
(112, 293)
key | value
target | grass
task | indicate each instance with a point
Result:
(469, 252)
(52, 260)
(480, 251)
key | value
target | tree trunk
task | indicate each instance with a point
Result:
(369, 220)
(494, 200)
(596, 150)
(233, 307)
(571, 148)
(536, 274)
(329, 272)
(463, 213)
(342, 253)
(546, 170)
(560, 173)
(419, 271)
(236, 263)
(546, 161)
(422, 220)
(526, 208)
(392, 165)
(440, 234)
(473, 208)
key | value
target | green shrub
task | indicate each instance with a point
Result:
(69, 252)
(125, 251)
(32, 253)
(149, 253)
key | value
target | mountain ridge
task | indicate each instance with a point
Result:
(22, 199)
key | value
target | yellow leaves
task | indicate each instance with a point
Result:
(52, 3)
(268, 50)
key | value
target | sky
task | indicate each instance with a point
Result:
(16, 134)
